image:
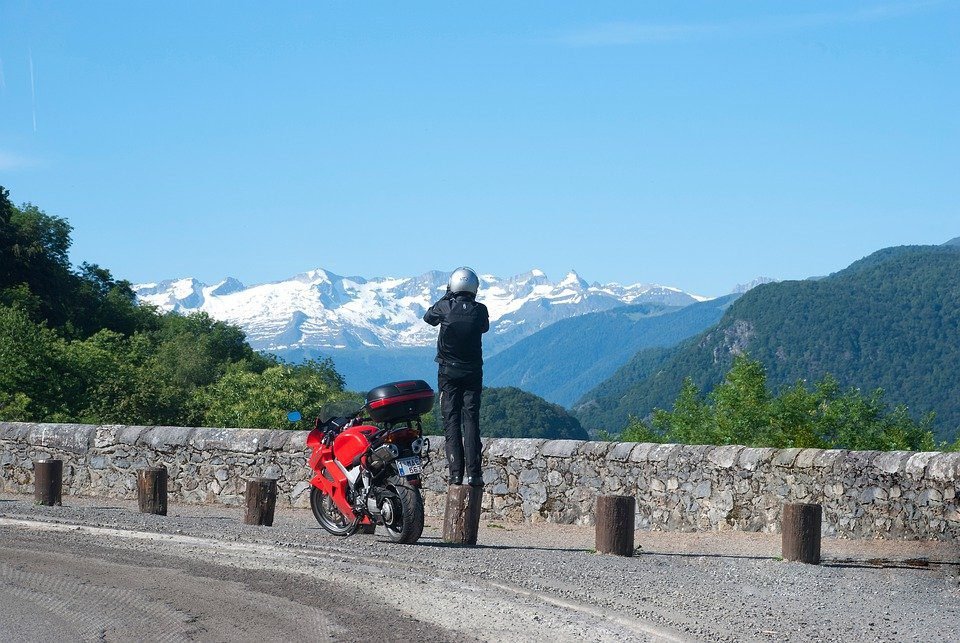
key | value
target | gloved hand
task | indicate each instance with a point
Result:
(448, 294)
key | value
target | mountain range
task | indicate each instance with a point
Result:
(565, 360)
(890, 320)
(373, 328)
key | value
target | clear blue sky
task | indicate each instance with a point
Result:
(693, 144)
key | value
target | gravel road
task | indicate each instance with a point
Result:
(98, 570)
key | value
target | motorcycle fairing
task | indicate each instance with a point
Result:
(334, 486)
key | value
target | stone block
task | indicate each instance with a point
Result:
(14, 431)
(516, 448)
(166, 438)
(561, 448)
(534, 496)
(301, 490)
(235, 440)
(695, 454)
(130, 435)
(807, 458)
(497, 448)
(943, 467)
(891, 461)
(786, 457)
(872, 494)
(828, 458)
(929, 497)
(662, 452)
(107, 435)
(723, 502)
(296, 441)
(641, 451)
(277, 440)
(598, 448)
(491, 475)
(917, 464)
(859, 460)
(529, 476)
(702, 490)
(73, 438)
(752, 459)
(726, 456)
(438, 446)
(620, 452)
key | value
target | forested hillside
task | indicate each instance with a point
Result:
(567, 359)
(509, 412)
(76, 347)
(889, 321)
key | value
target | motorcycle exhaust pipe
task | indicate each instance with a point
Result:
(385, 453)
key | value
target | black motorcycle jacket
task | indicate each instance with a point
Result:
(462, 320)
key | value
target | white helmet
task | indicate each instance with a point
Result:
(464, 279)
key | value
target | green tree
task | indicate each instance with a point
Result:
(636, 431)
(794, 415)
(742, 410)
(692, 420)
(31, 378)
(244, 398)
(741, 403)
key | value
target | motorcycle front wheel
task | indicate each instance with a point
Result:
(329, 515)
(406, 509)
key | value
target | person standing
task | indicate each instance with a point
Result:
(462, 320)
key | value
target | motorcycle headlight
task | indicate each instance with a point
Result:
(417, 446)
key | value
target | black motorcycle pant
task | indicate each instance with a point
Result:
(460, 407)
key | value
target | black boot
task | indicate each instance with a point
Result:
(475, 481)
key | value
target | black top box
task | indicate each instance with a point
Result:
(400, 401)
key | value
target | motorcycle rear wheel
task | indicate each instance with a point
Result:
(329, 516)
(407, 524)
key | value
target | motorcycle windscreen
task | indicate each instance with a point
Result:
(342, 408)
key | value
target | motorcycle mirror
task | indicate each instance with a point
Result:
(294, 416)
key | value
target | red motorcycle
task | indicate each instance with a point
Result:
(367, 469)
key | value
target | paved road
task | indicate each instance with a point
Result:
(76, 582)
(78, 585)
(98, 570)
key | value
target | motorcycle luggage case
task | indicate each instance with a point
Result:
(400, 401)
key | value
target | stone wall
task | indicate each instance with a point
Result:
(678, 487)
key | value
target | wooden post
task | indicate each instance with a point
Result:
(461, 517)
(800, 531)
(48, 482)
(614, 517)
(261, 501)
(152, 490)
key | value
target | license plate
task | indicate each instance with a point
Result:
(409, 466)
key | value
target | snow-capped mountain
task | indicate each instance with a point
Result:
(323, 311)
